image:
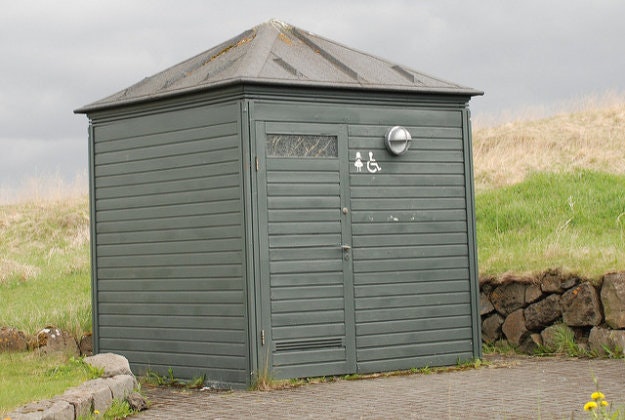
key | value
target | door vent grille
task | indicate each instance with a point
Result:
(309, 344)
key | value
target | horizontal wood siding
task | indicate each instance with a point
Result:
(169, 253)
(412, 261)
(410, 246)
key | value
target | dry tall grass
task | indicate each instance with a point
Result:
(52, 188)
(43, 229)
(592, 136)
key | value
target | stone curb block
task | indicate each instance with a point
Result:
(81, 401)
(121, 386)
(59, 410)
(96, 394)
(102, 396)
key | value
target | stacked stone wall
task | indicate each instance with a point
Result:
(533, 313)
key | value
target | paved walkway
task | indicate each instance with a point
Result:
(508, 388)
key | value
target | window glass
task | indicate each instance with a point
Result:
(302, 146)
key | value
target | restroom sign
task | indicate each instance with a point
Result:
(371, 165)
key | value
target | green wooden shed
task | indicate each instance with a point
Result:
(283, 204)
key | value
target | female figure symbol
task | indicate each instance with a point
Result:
(358, 163)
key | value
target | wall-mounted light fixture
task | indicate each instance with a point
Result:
(397, 140)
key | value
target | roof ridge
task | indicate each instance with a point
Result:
(264, 38)
(326, 55)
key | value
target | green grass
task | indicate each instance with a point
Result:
(120, 409)
(573, 221)
(26, 377)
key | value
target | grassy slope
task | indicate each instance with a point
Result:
(44, 266)
(550, 193)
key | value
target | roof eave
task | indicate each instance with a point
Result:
(101, 105)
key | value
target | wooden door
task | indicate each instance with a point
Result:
(305, 238)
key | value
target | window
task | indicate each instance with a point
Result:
(302, 146)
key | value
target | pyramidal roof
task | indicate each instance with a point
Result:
(277, 53)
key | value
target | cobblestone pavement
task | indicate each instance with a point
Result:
(506, 388)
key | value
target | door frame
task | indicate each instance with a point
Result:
(264, 339)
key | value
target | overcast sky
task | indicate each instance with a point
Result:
(59, 55)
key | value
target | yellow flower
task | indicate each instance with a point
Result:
(96, 412)
(604, 403)
(597, 395)
(590, 405)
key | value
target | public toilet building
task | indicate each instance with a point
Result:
(283, 204)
